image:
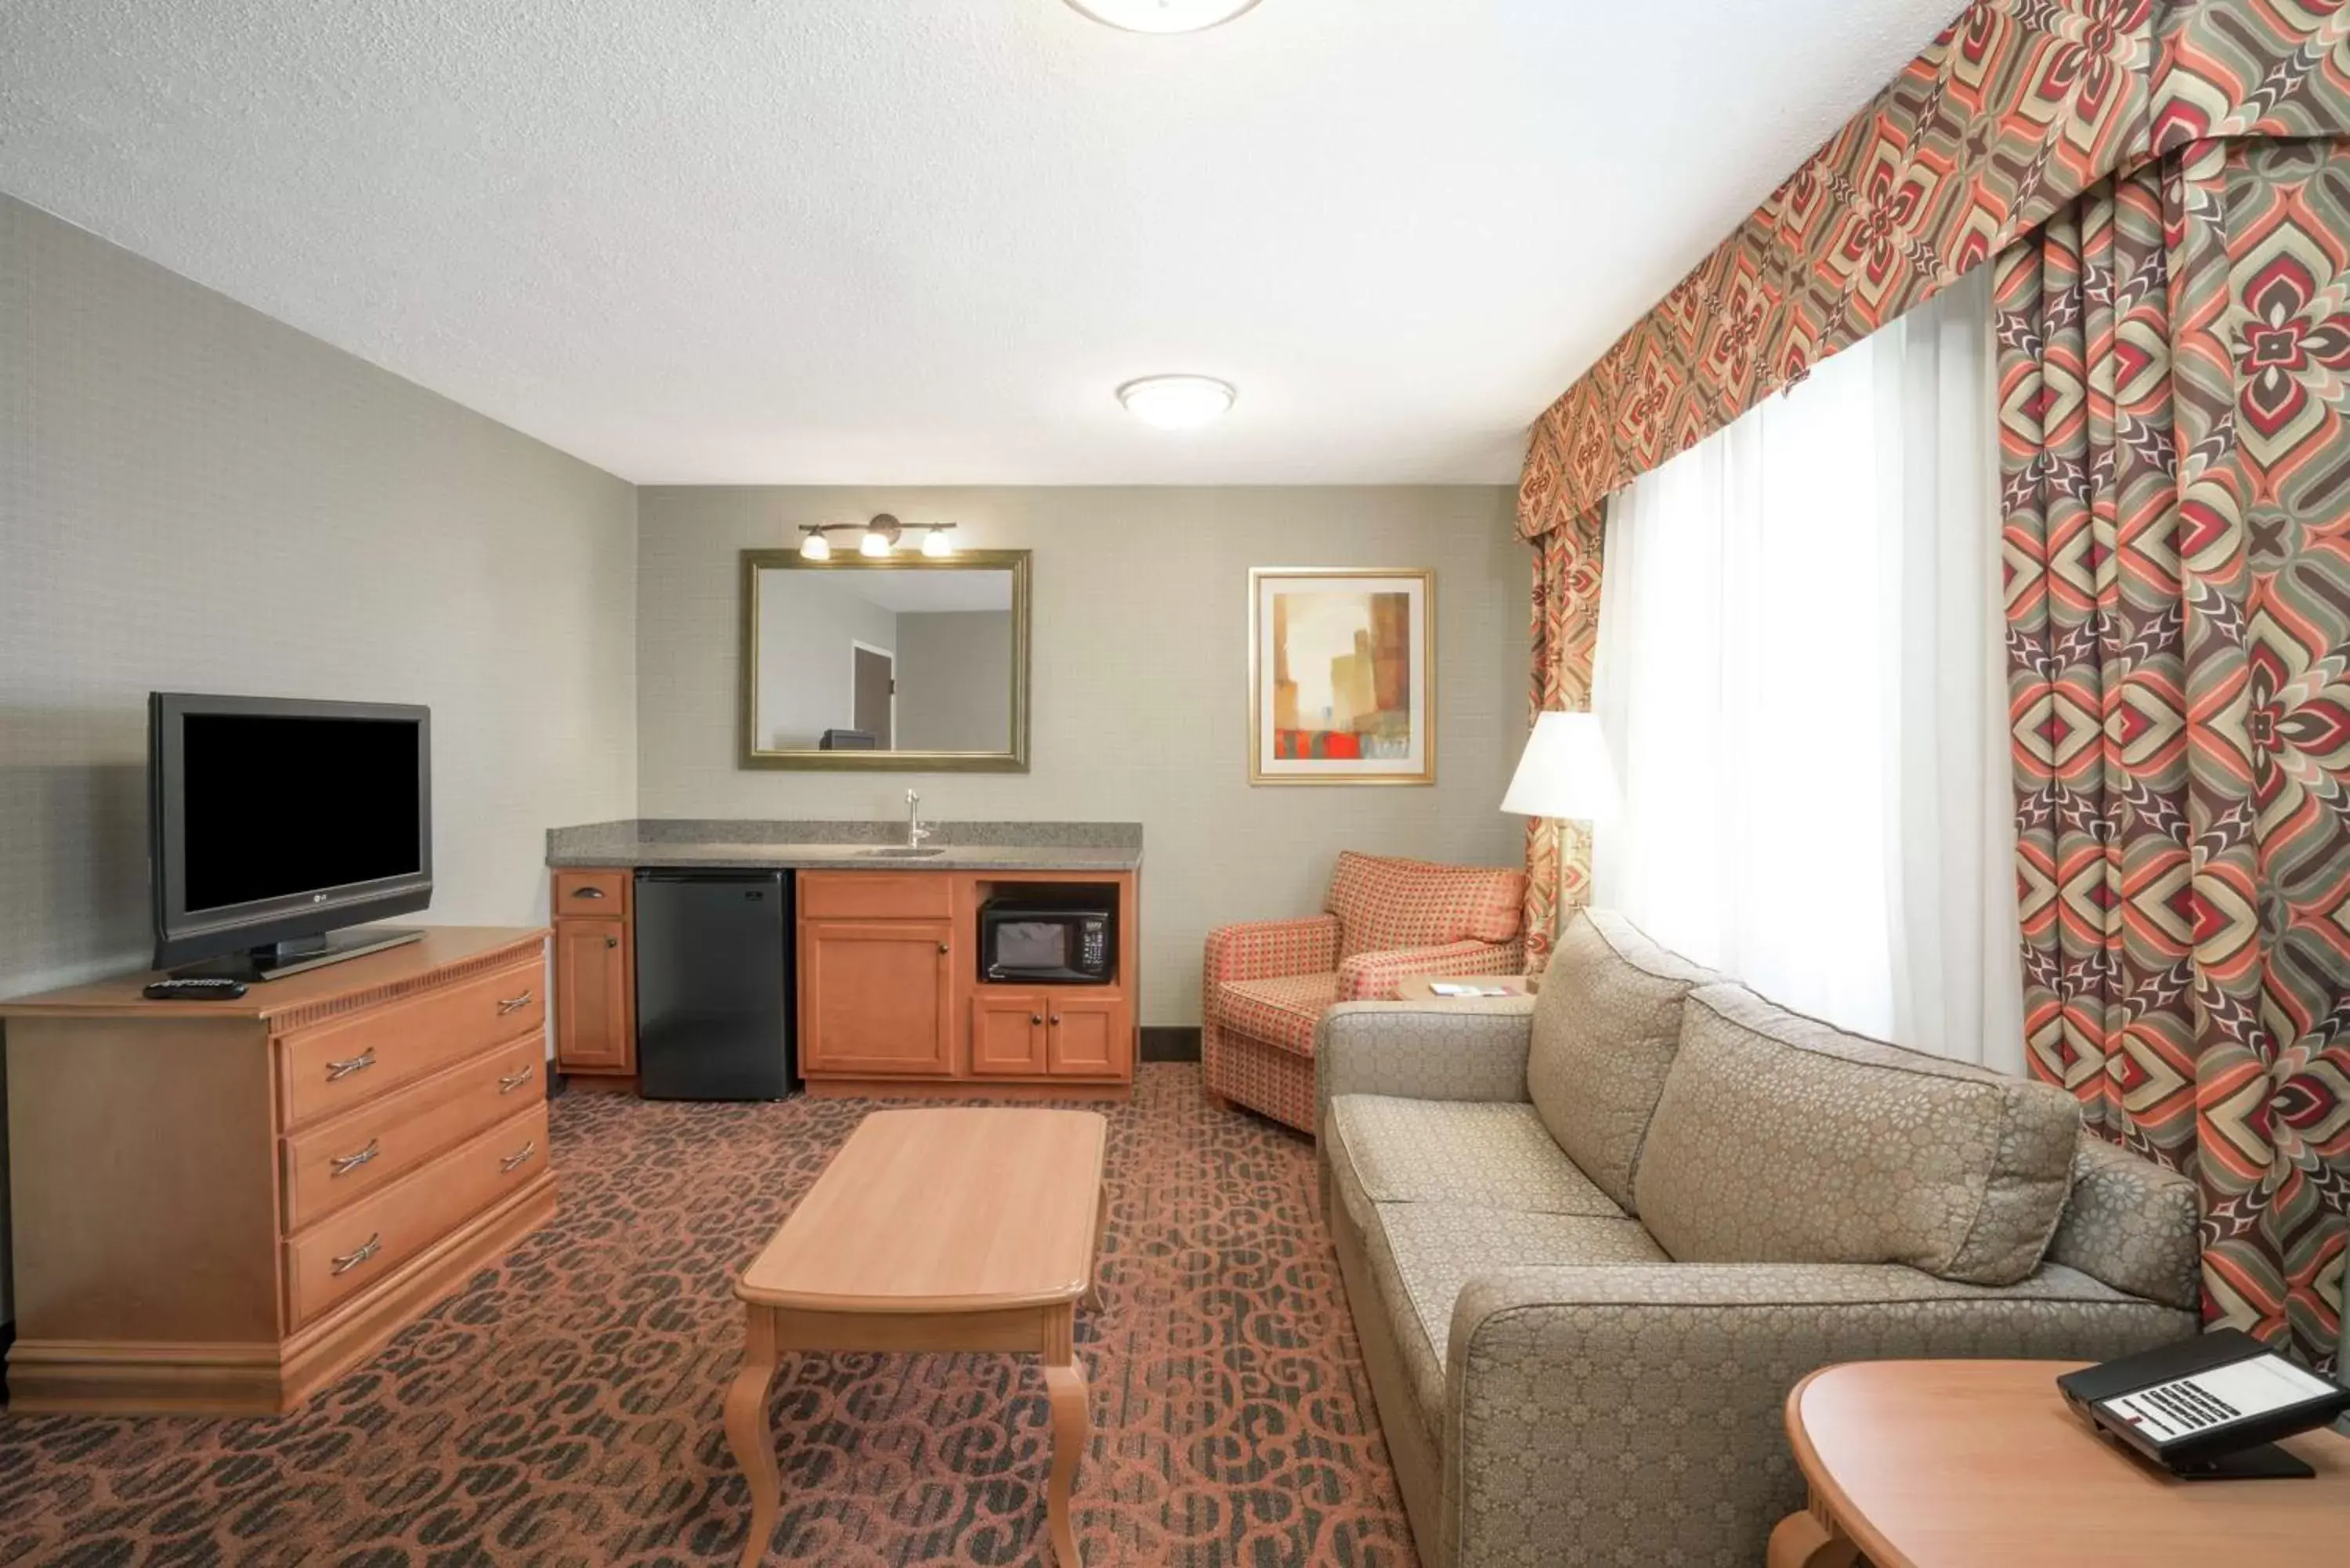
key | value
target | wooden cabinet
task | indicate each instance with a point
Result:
(874, 997)
(220, 1206)
(891, 1001)
(595, 972)
(1007, 1036)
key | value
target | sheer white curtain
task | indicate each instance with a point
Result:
(1801, 678)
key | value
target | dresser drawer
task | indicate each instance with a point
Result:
(333, 1068)
(876, 895)
(337, 1163)
(370, 1241)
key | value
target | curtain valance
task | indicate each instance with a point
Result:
(2015, 110)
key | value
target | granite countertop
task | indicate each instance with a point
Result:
(796, 845)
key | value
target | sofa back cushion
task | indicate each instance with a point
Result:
(2131, 1224)
(1605, 1028)
(1385, 905)
(1781, 1139)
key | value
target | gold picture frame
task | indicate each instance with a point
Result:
(1012, 759)
(1376, 698)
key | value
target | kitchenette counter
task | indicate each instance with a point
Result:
(848, 846)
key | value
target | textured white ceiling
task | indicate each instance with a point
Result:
(920, 240)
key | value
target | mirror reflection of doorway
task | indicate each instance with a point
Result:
(873, 693)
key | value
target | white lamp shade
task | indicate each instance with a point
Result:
(1565, 771)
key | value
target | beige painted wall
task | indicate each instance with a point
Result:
(1140, 682)
(194, 497)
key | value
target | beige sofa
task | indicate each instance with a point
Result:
(1590, 1242)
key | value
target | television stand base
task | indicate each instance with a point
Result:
(291, 958)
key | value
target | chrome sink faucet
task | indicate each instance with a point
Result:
(916, 828)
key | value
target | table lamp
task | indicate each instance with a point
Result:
(1564, 773)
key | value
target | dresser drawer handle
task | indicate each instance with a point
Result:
(511, 1003)
(586, 892)
(352, 1162)
(512, 1081)
(519, 1157)
(338, 1071)
(349, 1261)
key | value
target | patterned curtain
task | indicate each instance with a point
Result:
(2175, 457)
(1566, 633)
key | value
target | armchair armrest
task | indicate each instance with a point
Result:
(1561, 1381)
(1373, 977)
(1264, 950)
(1419, 1051)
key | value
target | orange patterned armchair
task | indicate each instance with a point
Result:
(1267, 984)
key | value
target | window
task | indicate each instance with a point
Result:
(1800, 673)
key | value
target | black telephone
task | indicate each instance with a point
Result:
(2208, 1409)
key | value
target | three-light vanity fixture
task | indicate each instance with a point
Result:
(876, 538)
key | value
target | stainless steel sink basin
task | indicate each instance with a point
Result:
(899, 852)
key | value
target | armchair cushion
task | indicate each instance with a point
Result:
(1373, 977)
(1281, 1010)
(1385, 904)
(1492, 1153)
(1782, 1139)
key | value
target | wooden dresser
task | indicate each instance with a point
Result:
(220, 1206)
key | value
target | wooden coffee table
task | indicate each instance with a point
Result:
(951, 1229)
(1962, 1464)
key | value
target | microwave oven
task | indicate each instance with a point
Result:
(1058, 943)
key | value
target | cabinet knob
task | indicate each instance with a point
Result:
(611, 941)
(942, 947)
(1056, 1018)
(1035, 1017)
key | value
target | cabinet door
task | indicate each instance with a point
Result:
(1007, 1036)
(874, 997)
(1082, 1037)
(594, 1014)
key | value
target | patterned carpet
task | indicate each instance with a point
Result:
(563, 1408)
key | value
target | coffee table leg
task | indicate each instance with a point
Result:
(1065, 1383)
(1101, 1232)
(747, 1433)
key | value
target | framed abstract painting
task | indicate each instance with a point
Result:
(1342, 676)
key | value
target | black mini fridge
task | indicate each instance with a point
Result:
(714, 994)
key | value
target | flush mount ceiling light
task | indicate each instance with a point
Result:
(1177, 403)
(1163, 15)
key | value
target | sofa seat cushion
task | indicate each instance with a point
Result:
(1283, 1011)
(1495, 1153)
(1421, 1254)
(1605, 1028)
(1781, 1139)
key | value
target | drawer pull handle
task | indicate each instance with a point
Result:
(512, 1081)
(349, 1261)
(519, 1157)
(586, 892)
(351, 1162)
(338, 1071)
(512, 1003)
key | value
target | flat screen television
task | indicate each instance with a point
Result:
(273, 821)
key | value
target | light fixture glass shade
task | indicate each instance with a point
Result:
(937, 545)
(1564, 771)
(816, 547)
(1163, 15)
(873, 542)
(1177, 403)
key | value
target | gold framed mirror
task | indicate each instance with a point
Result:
(900, 663)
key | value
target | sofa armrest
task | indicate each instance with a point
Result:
(1373, 977)
(1423, 1051)
(1568, 1390)
(1266, 949)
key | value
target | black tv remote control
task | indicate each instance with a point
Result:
(201, 989)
